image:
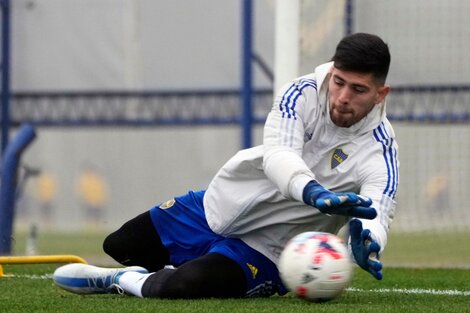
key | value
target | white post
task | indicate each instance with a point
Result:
(286, 42)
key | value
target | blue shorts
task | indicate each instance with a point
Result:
(183, 229)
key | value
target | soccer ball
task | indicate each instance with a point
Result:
(315, 266)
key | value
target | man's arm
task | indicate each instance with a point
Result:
(283, 139)
(368, 238)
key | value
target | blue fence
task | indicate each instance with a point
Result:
(128, 108)
(439, 104)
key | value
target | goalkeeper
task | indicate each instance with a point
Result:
(328, 159)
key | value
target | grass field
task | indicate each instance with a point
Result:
(421, 288)
(403, 250)
(402, 290)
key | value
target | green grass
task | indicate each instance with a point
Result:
(428, 249)
(449, 249)
(32, 290)
(86, 244)
(404, 289)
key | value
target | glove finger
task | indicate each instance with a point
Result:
(348, 198)
(343, 199)
(366, 235)
(377, 274)
(353, 211)
(364, 201)
(375, 265)
(375, 268)
(355, 230)
(331, 201)
(374, 247)
(322, 203)
(361, 212)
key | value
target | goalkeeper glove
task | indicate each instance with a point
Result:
(345, 203)
(365, 249)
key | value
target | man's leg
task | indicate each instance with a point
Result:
(210, 276)
(137, 243)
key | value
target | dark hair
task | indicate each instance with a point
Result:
(363, 53)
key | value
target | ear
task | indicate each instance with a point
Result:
(382, 92)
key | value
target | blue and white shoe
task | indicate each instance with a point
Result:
(87, 279)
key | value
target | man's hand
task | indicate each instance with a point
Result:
(365, 250)
(347, 203)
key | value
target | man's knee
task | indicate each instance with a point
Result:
(137, 243)
(112, 245)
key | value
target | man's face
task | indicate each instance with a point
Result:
(352, 96)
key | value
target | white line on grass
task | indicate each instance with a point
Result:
(45, 276)
(414, 291)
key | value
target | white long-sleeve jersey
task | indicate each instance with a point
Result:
(257, 195)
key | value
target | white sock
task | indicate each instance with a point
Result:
(132, 282)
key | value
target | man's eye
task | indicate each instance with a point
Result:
(360, 90)
(339, 82)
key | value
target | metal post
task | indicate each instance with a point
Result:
(9, 166)
(286, 42)
(247, 112)
(5, 72)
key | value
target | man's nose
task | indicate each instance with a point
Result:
(344, 95)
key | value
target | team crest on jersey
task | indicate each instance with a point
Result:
(167, 205)
(338, 157)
